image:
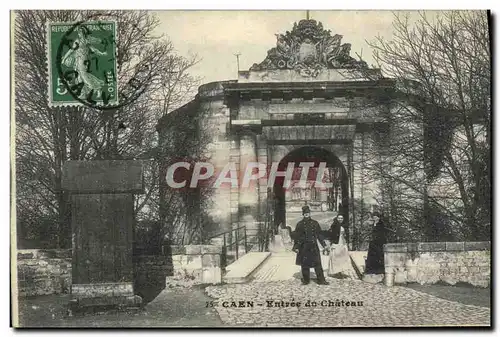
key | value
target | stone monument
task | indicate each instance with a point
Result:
(102, 219)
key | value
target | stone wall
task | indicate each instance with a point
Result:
(196, 264)
(43, 271)
(48, 271)
(433, 262)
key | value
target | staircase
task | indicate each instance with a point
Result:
(241, 270)
(279, 264)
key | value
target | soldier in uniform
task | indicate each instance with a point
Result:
(306, 235)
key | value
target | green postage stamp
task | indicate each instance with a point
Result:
(82, 63)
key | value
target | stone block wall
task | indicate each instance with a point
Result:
(433, 262)
(200, 264)
(48, 271)
(152, 268)
(43, 271)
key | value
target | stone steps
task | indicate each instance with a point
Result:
(242, 269)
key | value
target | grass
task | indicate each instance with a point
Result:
(461, 292)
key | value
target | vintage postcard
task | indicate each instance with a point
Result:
(251, 169)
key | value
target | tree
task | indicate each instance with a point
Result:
(46, 137)
(185, 135)
(442, 68)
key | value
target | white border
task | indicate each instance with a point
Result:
(258, 4)
(197, 4)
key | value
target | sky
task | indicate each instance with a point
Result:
(215, 36)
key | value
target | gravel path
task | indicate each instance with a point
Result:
(369, 305)
(281, 267)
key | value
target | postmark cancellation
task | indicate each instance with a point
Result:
(82, 63)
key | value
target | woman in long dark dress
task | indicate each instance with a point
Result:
(375, 258)
(335, 229)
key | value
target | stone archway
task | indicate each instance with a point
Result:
(315, 155)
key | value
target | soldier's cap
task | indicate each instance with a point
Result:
(306, 209)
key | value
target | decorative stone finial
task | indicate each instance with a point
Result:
(308, 49)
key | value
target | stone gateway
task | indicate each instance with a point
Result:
(307, 101)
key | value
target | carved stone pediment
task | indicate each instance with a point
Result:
(308, 49)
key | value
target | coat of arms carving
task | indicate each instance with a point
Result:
(308, 49)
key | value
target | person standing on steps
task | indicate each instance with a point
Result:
(306, 235)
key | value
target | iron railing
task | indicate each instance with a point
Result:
(232, 238)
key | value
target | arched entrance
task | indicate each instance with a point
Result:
(325, 203)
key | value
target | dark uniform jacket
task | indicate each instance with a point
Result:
(306, 235)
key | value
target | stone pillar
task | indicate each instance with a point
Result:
(248, 195)
(366, 182)
(263, 188)
(234, 157)
(394, 261)
(102, 219)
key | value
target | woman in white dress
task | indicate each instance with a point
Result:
(339, 264)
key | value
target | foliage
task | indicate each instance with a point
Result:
(46, 137)
(442, 67)
(184, 136)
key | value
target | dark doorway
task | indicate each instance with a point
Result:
(338, 202)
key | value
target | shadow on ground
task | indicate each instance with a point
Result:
(176, 307)
(149, 289)
(151, 271)
(462, 293)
